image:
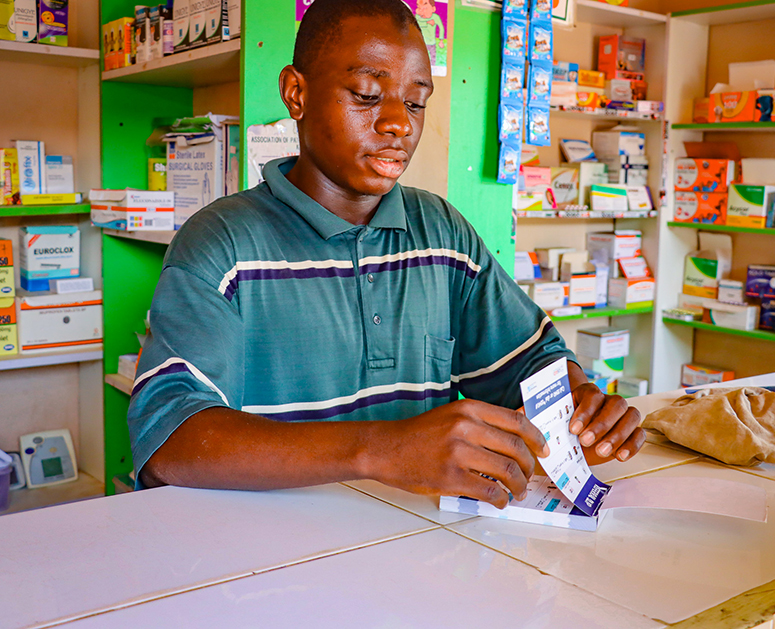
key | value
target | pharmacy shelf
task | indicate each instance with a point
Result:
(729, 13)
(43, 210)
(159, 237)
(43, 54)
(757, 127)
(602, 112)
(585, 214)
(605, 312)
(762, 335)
(724, 228)
(209, 65)
(117, 381)
(24, 361)
(83, 488)
(604, 14)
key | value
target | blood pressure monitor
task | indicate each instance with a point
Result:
(48, 458)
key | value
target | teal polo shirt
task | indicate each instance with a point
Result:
(270, 304)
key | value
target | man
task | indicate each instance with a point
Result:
(319, 327)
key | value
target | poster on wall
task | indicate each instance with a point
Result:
(433, 19)
(267, 142)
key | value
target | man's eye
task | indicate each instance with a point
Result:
(366, 98)
(414, 106)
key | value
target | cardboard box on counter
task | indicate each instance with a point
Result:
(697, 375)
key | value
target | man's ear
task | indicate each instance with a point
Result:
(293, 90)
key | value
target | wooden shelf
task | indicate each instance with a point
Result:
(729, 13)
(159, 237)
(758, 127)
(117, 381)
(604, 14)
(44, 54)
(593, 313)
(81, 489)
(767, 231)
(608, 114)
(43, 210)
(25, 361)
(762, 335)
(209, 65)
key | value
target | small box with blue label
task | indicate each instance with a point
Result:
(48, 253)
(8, 336)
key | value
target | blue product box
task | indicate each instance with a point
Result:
(510, 118)
(538, 126)
(760, 281)
(515, 9)
(508, 163)
(541, 10)
(541, 42)
(514, 33)
(512, 81)
(539, 85)
(565, 71)
(767, 315)
(48, 253)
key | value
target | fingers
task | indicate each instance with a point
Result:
(510, 446)
(480, 488)
(515, 423)
(632, 445)
(588, 400)
(513, 473)
(609, 430)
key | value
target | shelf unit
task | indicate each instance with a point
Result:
(119, 382)
(615, 115)
(767, 231)
(83, 488)
(54, 97)
(759, 335)
(701, 44)
(605, 312)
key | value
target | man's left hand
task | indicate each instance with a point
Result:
(607, 426)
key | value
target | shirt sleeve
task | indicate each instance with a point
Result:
(193, 358)
(504, 337)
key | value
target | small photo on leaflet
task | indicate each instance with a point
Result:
(514, 38)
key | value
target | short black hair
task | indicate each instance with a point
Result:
(319, 26)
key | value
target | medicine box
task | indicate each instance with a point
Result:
(621, 243)
(47, 253)
(526, 266)
(565, 186)
(235, 19)
(156, 24)
(702, 275)
(196, 19)
(561, 71)
(704, 175)
(32, 165)
(608, 198)
(9, 177)
(7, 281)
(629, 386)
(731, 291)
(697, 375)
(592, 78)
(216, 21)
(603, 343)
(631, 293)
(701, 207)
(133, 210)
(631, 170)
(767, 315)
(748, 205)
(692, 303)
(195, 174)
(760, 281)
(49, 322)
(18, 20)
(549, 257)
(587, 97)
(181, 21)
(52, 22)
(582, 287)
(738, 317)
(733, 107)
(9, 342)
(609, 144)
(59, 174)
(547, 295)
(621, 57)
(611, 368)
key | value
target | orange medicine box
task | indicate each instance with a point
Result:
(8, 335)
(7, 281)
(734, 107)
(591, 78)
(701, 207)
(704, 175)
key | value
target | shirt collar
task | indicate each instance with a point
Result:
(390, 213)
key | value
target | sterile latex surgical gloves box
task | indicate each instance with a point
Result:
(49, 322)
(748, 205)
(195, 174)
(46, 253)
(133, 210)
(603, 343)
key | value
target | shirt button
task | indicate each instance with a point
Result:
(377, 319)
(370, 277)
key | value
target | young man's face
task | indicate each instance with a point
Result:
(364, 108)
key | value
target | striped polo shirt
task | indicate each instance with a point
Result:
(270, 304)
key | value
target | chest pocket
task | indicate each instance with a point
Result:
(438, 366)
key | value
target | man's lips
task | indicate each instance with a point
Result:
(391, 165)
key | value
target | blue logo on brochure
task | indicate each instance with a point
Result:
(563, 481)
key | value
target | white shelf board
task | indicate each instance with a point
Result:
(608, 114)
(62, 357)
(209, 65)
(82, 488)
(605, 14)
(122, 383)
(159, 237)
(713, 16)
(48, 55)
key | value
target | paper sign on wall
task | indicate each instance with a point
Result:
(267, 142)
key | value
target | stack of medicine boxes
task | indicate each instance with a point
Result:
(601, 352)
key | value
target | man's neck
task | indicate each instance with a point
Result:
(355, 209)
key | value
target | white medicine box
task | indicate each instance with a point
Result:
(48, 253)
(50, 322)
(603, 343)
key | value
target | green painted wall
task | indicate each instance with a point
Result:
(473, 134)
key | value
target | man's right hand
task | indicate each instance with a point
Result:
(444, 452)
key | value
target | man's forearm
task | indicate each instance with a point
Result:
(221, 448)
